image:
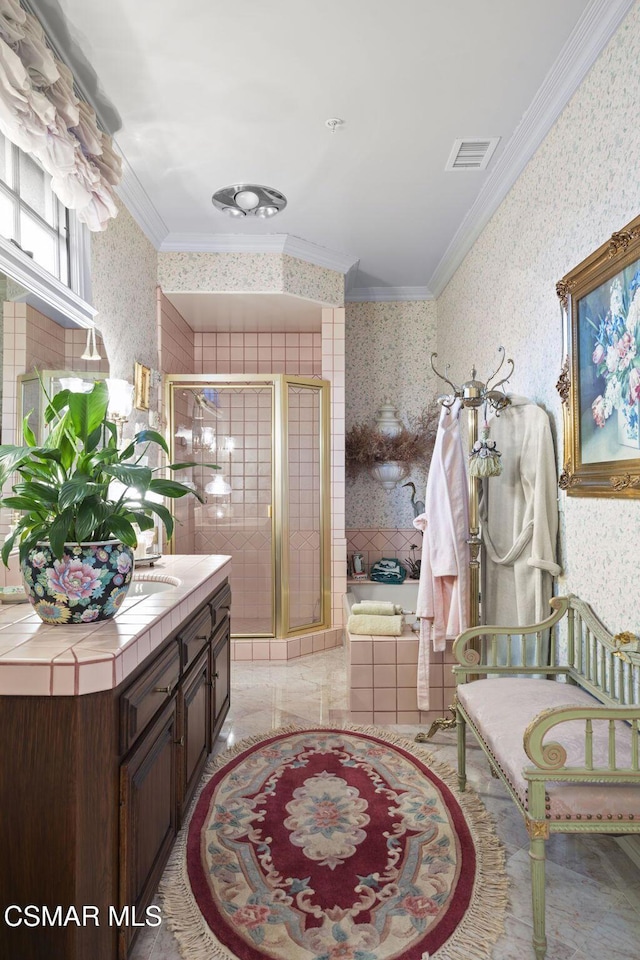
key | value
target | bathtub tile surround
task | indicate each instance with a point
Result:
(382, 672)
(375, 543)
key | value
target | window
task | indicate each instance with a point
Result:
(31, 216)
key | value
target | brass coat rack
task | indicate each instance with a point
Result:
(472, 394)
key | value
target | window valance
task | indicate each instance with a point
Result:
(41, 114)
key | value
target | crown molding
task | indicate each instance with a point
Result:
(137, 202)
(283, 243)
(387, 294)
(320, 256)
(591, 34)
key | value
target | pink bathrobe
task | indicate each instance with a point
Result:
(443, 593)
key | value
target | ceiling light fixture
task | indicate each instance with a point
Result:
(249, 200)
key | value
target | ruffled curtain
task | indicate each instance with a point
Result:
(41, 114)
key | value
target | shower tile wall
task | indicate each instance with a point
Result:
(293, 353)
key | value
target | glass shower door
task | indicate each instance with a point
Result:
(304, 540)
(231, 425)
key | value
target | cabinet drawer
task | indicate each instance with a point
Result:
(194, 635)
(146, 695)
(220, 605)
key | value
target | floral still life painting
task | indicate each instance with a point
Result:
(612, 315)
(600, 381)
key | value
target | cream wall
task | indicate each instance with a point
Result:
(582, 184)
(388, 346)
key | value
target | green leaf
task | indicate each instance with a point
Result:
(144, 521)
(48, 454)
(169, 488)
(59, 532)
(88, 410)
(67, 453)
(90, 514)
(27, 432)
(164, 514)
(94, 439)
(151, 436)
(7, 547)
(130, 474)
(23, 503)
(188, 465)
(56, 405)
(123, 530)
(75, 489)
(42, 492)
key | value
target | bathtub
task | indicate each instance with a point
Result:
(405, 594)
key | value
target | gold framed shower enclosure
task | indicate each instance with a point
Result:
(269, 505)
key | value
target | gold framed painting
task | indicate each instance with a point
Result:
(142, 386)
(600, 381)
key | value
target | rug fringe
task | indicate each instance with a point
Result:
(472, 940)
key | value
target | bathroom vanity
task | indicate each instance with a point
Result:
(104, 732)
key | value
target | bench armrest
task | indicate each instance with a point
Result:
(552, 756)
(470, 659)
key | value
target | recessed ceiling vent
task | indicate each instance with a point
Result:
(473, 153)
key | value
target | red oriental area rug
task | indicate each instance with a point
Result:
(335, 844)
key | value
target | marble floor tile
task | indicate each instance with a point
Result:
(593, 901)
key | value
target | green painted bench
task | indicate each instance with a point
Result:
(556, 708)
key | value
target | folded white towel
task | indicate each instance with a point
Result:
(376, 608)
(364, 625)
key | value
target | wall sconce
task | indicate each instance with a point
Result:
(120, 403)
(91, 350)
(76, 384)
(218, 487)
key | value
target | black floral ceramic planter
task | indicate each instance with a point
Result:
(87, 584)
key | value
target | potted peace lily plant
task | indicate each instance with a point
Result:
(76, 535)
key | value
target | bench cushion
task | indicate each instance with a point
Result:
(501, 709)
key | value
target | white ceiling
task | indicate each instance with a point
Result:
(204, 93)
(243, 312)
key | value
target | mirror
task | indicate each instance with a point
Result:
(31, 340)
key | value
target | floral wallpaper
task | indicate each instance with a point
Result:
(243, 272)
(123, 280)
(246, 272)
(388, 346)
(580, 186)
(315, 283)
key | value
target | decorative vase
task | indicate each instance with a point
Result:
(390, 473)
(387, 421)
(628, 420)
(87, 584)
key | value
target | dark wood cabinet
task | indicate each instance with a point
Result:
(94, 788)
(196, 740)
(221, 675)
(148, 814)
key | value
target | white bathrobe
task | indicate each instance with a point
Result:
(443, 592)
(519, 513)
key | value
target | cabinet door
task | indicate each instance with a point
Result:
(196, 726)
(221, 675)
(148, 815)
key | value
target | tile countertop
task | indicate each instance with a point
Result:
(40, 659)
